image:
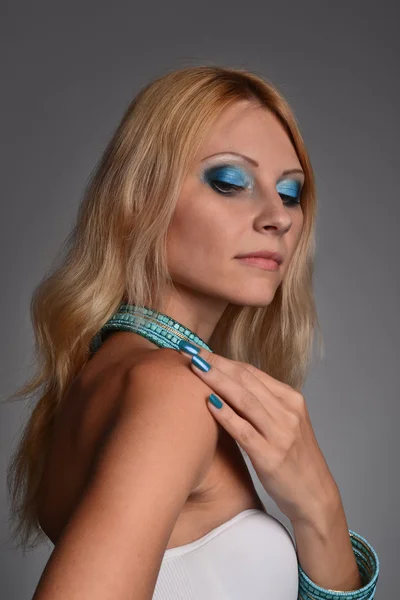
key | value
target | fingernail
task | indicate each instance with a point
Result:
(200, 363)
(215, 400)
(188, 347)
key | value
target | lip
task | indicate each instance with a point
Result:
(262, 263)
(275, 256)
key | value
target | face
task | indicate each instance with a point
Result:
(230, 206)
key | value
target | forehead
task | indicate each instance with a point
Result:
(252, 130)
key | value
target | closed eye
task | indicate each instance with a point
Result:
(227, 179)
(221, 187)
(290, 189)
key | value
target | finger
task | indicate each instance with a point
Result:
(236, 369)
(272, 404)
(241, 399)
(240, 429)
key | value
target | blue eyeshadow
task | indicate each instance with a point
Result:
(227, 174)
(289, 187)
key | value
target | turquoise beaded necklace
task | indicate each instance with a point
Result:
(155, 326)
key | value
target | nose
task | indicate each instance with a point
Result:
(273, 214)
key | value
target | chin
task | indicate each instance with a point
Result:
(256, 300)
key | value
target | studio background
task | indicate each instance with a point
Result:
(69, 70)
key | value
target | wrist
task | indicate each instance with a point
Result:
(323, 514)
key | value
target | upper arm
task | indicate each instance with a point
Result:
(161, 443)
(164, 437)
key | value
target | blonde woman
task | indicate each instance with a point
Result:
(162, 349)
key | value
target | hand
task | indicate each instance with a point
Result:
(270, 421)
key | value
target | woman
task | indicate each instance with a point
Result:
(139, 482)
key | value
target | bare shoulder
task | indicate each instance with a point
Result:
(159, 444)
(163, 388)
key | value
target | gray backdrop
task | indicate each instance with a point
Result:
(68, 72)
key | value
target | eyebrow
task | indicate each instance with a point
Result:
(253, 162)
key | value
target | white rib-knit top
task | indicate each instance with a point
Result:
(250, 557)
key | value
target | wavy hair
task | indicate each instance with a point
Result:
(116, 251)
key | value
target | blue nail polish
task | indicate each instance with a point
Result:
(199, 362)
(188, 347)
(215, 400)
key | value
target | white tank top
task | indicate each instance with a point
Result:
(250, 557)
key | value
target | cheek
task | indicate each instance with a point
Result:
(200, 225)
(295, 234)
(298, 225)
(200, 239)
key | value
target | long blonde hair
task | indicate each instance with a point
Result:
(116, 250)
